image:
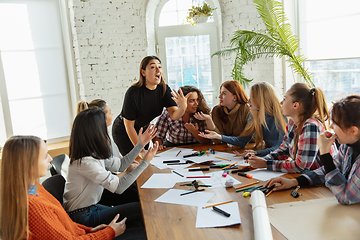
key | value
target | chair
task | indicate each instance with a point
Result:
(56, 164)
(55, 185)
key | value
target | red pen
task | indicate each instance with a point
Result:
(199, 177)
(245, 175)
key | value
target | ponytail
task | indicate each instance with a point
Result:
(81, 106)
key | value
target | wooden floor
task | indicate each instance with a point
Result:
(171, 221)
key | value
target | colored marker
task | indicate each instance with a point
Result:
(245, 175)
(192, 192)
(225, 173)
(221, 211)
(198, 169)
(218, 165)
(171, 161)
(189, 184)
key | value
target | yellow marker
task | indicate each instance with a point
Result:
(246, 194)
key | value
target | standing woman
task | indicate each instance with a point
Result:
(143, 102)
(27, 210)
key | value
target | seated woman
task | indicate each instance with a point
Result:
(186, 129)
(27, 210)
(131, 193)
(298, 152)
(267, 124)
(90, 169)
(340, 173)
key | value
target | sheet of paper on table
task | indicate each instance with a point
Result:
(207, 217)
(171, 155)
(263, 174)
(193, 199)
(217, 180)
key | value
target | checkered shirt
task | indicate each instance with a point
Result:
(307, 157)
(174, 130)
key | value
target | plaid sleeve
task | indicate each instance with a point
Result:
(345, 190)
(162, 125)
(306, 155)
(283, 152)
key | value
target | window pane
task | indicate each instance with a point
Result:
(34, 67)
(337, 78)
(188, 63)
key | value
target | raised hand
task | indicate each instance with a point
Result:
(210, 135)
(180, 99)
(202, 116)
(324, 141)
(119, 227)
(191, 127)
(151, 152)
(150, 133)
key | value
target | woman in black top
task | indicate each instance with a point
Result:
(144, 101)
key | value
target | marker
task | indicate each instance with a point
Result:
(250, 188)
(192, 192)
(200, 153)
(246, 185)
(178, 153)
(199, 177)
(241, 170)
(171, 161)
(180, 163)
(221, 158)
(217, 204)
(245, 175)
(178, 174)
(225, 173)
(221, 211)
(198, 169)
(219, 166)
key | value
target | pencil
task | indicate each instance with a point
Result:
(270, 192)
(178, 174)
(222, 158)
(178, 153)
(207, 153)
(230, 165)
(217, 204)
(199, 177)
(249, 184)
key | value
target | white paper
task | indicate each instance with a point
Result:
(186, 173)
(192, 199)
(170, 154)
(162, 180)
(217, 180)
(263, 174)
(209, 218)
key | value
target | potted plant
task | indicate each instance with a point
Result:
(277, 40)
(199, 14)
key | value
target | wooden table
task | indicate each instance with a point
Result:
(172, 221)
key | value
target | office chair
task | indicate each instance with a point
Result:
(56, 164)
(55, 185)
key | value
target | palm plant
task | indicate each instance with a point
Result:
(276, 41)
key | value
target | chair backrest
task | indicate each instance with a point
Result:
(56, 164)
(55, 185)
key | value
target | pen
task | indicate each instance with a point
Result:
(230, 165)
(217, 204)
(171, 161)
(200, 153)
(180, 163)
(221, 211)
(222, 158)
(246, 185)
(245, 175)
(189, 184)
(199, 177)
(192, 192)
(178, 174)
(198, 169)
(178, 153)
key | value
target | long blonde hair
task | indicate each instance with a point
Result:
(313, 105)
(263, 95)
(19, 168)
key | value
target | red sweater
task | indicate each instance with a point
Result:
(49, 220)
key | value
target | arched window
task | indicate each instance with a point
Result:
(185, 50)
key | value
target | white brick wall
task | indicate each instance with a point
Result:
(110, 41)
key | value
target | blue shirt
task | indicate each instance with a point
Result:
(272, 137)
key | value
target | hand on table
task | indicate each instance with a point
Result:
(282, 183)
(246, 153)
(256, 162)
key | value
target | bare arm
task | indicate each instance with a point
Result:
(130, 130)
(195, 131)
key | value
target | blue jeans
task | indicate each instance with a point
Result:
(99, 214)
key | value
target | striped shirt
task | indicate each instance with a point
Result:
(307, 156)
(344, 180)
(174, 130)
